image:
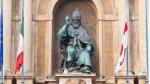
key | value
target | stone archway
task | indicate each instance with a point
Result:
(45, 19)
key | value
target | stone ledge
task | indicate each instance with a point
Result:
(55, 80)
(51, 81)
(99, 81)
(27, 79)
(123, 76)
(9, 77)
(141, 76)
(75, 75)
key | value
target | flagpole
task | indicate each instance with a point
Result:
(2, 42)
(22, 73)
(148, 24)
(146, 27)
(127, 21)
(23, 44)
(127, 81)
(2, 45)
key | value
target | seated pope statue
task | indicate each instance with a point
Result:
(75, 45)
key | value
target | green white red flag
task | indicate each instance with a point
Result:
(20, 52)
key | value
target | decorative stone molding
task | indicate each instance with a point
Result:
(109, 18)
(75, 78)
(122, 79)
(16, 18)
(8, 79)
(42, 17)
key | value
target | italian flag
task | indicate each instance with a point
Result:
(20, 52)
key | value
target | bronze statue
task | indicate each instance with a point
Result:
(75, 45)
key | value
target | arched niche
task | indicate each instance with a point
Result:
(46, 33)
(88, 19)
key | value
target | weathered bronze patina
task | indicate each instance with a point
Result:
(75, 45)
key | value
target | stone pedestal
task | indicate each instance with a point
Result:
(142, 79)
(27, 79)
(100, 81)
(122, 79)
(8, 79)
(75, 78)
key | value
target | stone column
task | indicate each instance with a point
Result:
(48, 46)
(27, 36)
(142, 37)
(100, 30)
(149, 36)
(7, 24)
(7, 31)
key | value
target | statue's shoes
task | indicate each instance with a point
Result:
(88, 71)
(85, 69)
(71, 69)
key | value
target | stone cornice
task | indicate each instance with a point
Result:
(50, 17)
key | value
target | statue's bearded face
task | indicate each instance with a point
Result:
(76, 21)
